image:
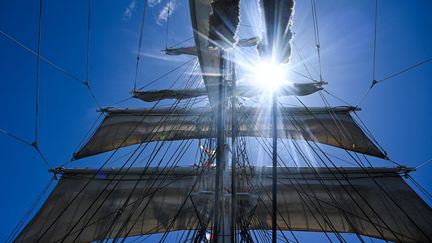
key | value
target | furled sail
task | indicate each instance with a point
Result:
(86, 206)
(209, 57)
(276, 16)
(223, 21)
(297, 89)
(333, 127)
(191, 50)
(150, 96)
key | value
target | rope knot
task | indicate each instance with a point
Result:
(373, 83)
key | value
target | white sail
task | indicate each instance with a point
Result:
(87, 207)
(96, 204)
(333, 127)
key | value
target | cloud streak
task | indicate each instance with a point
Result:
(166, 11)
(163, 15)
(130, 9)
(153, 3)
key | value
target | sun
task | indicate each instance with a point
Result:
(270, 77)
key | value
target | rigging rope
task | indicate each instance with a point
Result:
(167, 25)
(152, 157)
(248, 181)
(15, 41)
(423, 164)
(94, 96)
(328, 222)
(268, 195)
(162, 181)
(139, 44)
(337, 98)
(33, 145)
(369, 133)
(88, 42)
(375, 182)
(106, 161)
(55, 66)
(340, 181)
(364, 128)
(316, 35)
(29, 211)
(87, 81)
(39, 57)
(304, 76)
(422, 189)
(100, 194)
(375, 40)
(374, 82)
(174, 164)
(181, 42)
(45, 160)
(86, 137)
(263, 189)
(15, 137)
(302, 60)
(405, 70)
(320, 148)
(166, 74)
(37, 73)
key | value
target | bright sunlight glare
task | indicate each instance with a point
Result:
(270, 76)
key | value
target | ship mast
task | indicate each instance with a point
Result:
(225, 217)
(234, 157)
(225, 203)
(274, 174)
(224, 229)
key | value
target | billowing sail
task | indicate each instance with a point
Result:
(157, 197)
(333, 127)
(276, 16)
(296, 89)
(86, 206)
(373, 202)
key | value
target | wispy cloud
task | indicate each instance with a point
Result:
(166, 11)
(153, 3)
(130, 9)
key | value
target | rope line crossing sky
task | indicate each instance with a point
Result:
(163, 146)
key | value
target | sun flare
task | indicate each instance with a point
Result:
(270, 76)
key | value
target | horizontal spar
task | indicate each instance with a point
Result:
(192, 50)
(296, 89)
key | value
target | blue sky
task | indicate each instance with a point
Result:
(397, 111)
